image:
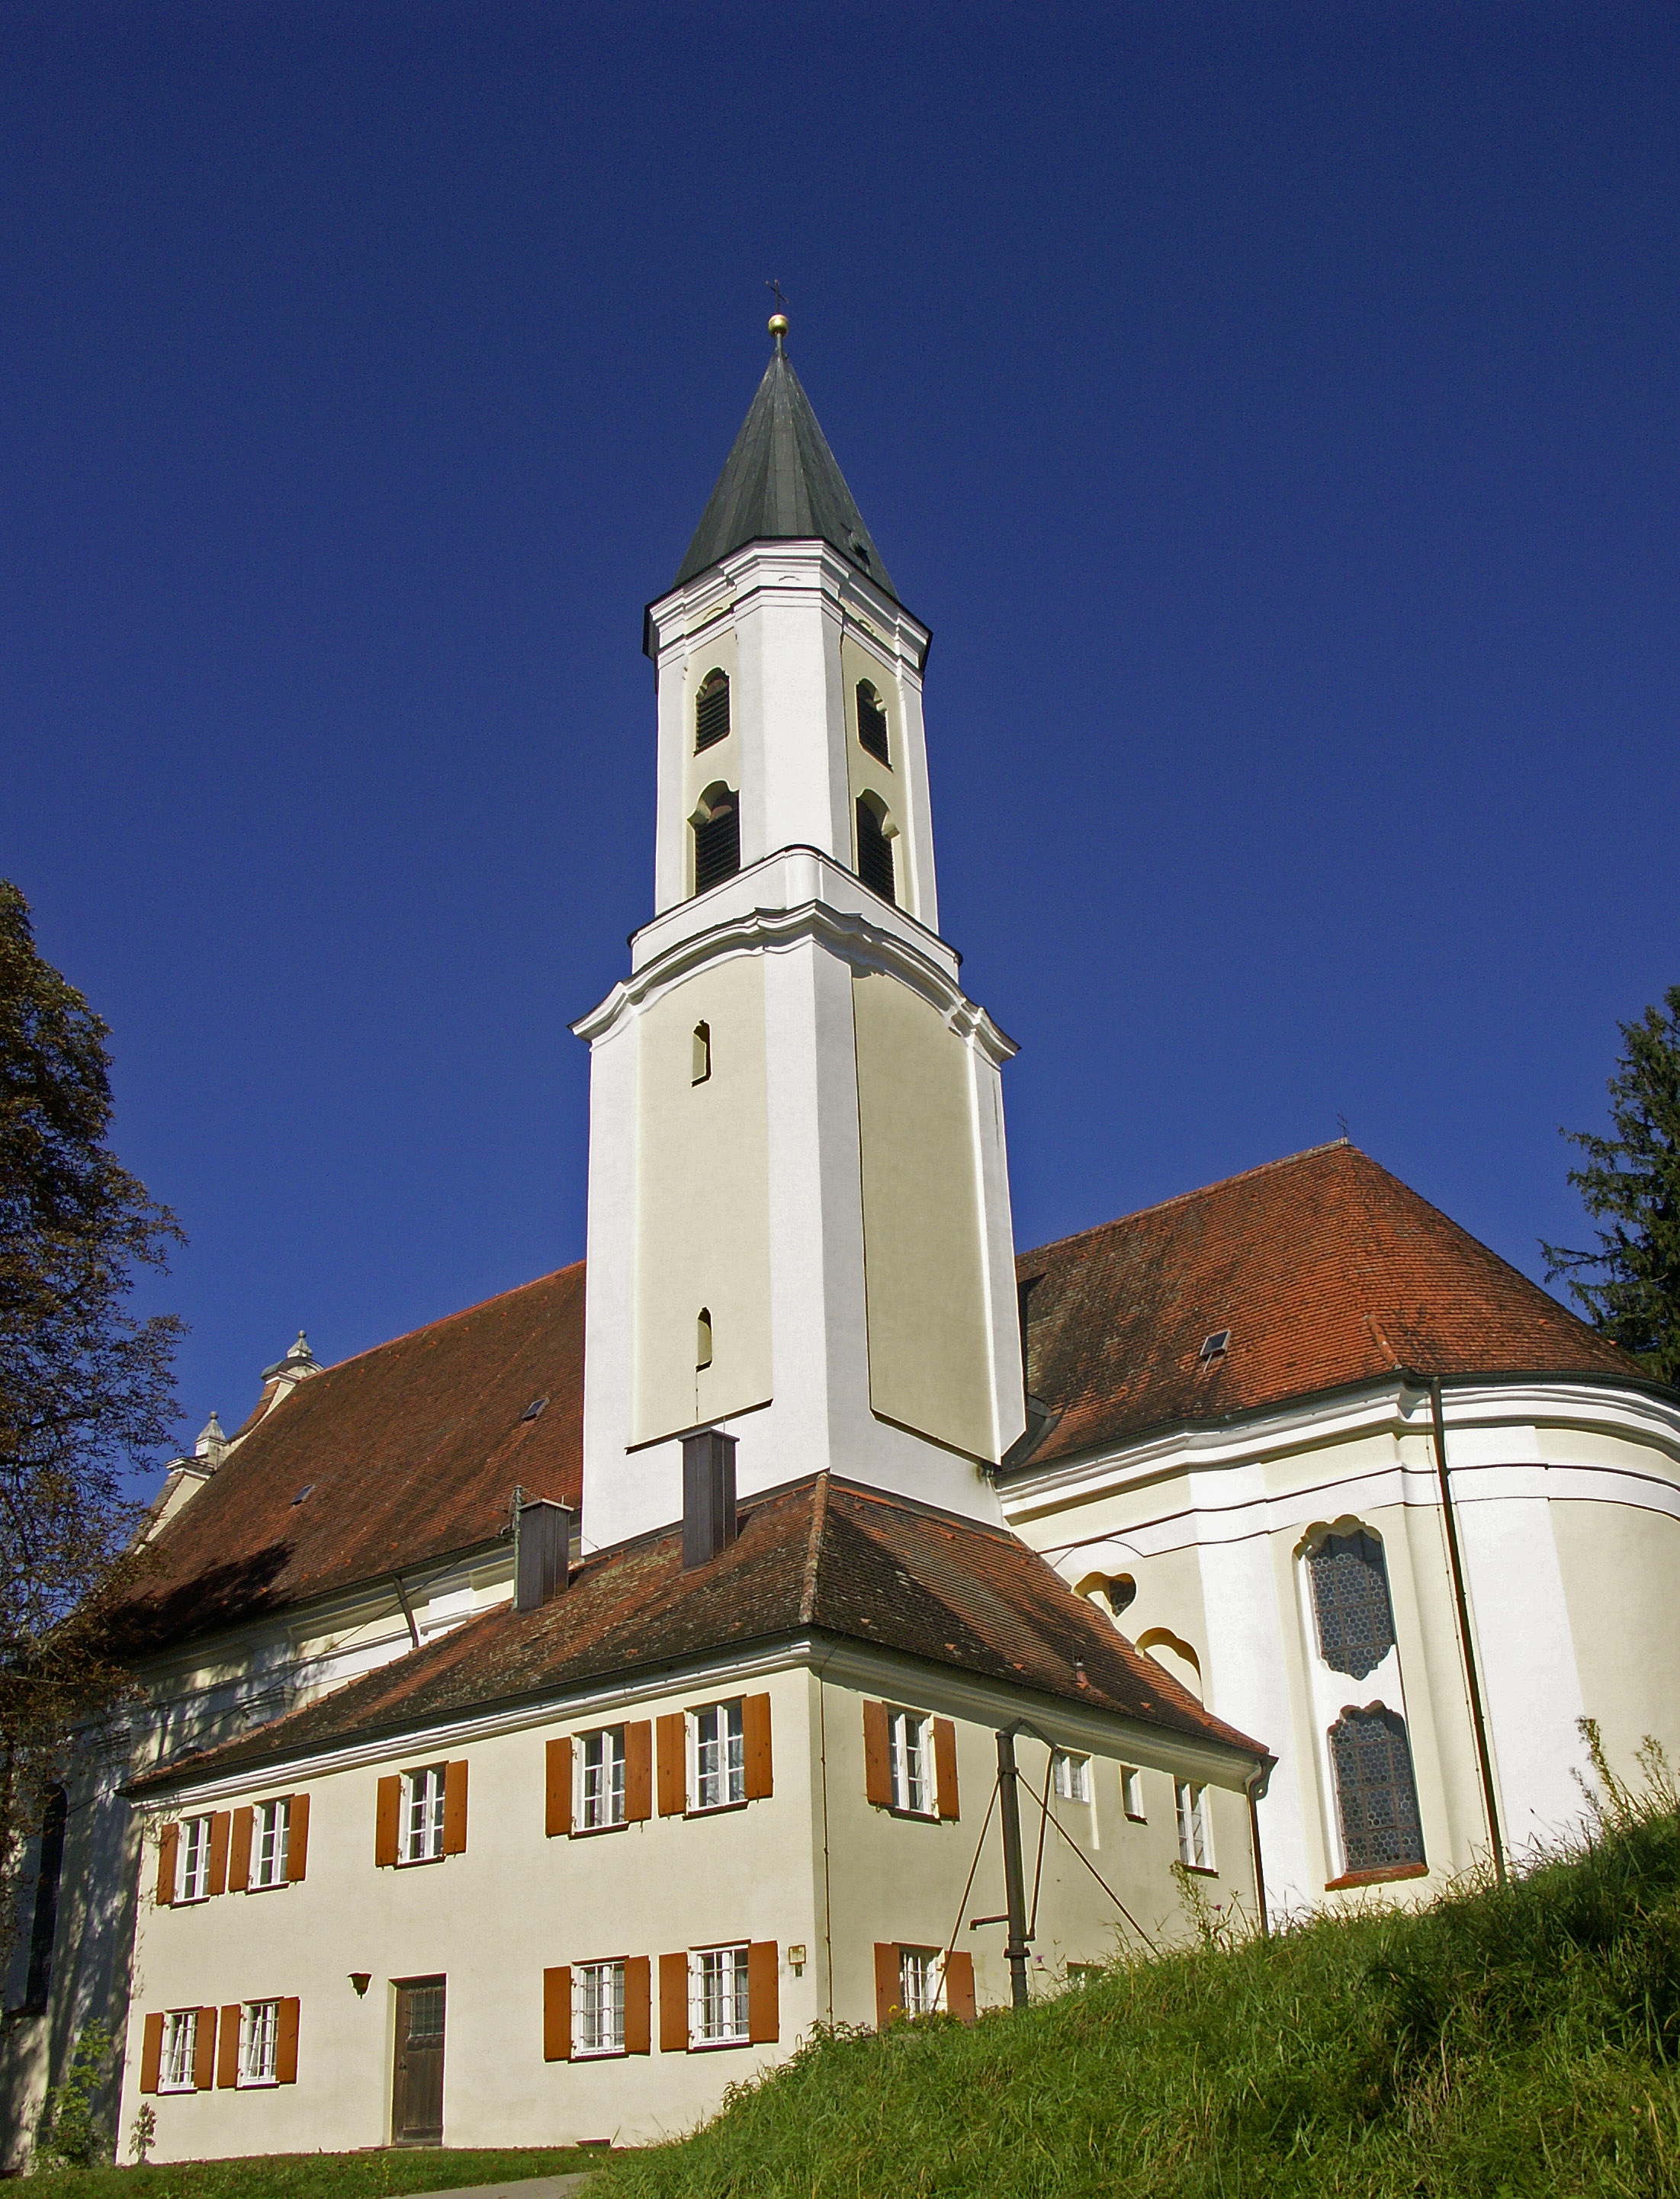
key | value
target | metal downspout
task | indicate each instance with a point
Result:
(1472, 1680)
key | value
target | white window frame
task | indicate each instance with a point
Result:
(271, 1842)
(600, 1776)
(598, 2010)
(180, 2051)
(1131, 1794)
(259, 2042)
(921, 1980)
(1195, 1825)
(195, 1859)
(717, 1762)
(718, 1995)
(420, 1829)
(1070, 1775)
(915, 1788)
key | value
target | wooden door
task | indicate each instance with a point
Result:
(416, 2092)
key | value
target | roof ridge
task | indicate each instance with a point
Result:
(808, 1590)
(443, 1320)
(1182, 1197)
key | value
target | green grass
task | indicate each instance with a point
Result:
(312, 2175)
(1507, 2042)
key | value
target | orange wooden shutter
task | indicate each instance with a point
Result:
(204, 2050)
(673, 1753)
(877, 1763)
(639, 2005)
(674, 2003)
(764, 2022)
(239, 1850)
(889, 1990)
(221, 1824)
(945, 1765)
(756, 1734)
(151, 2054)
(385, 1821)
(455, 1807)
(227, 2049)
(297, 1839)
(639, 1771)
(558, 2014)
(557, 1798)
(285, 2043)
(169, 1841)
(960, 1984)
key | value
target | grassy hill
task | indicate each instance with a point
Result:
(1507, 2042)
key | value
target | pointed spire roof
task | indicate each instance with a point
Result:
(780, 484)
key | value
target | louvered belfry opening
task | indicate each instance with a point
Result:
(875, 855)
(708, 1495)
(872, 723)
(711, 711)
(717, 841)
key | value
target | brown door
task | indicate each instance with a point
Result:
(416, 2094)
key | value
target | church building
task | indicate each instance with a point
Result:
(806, 1610)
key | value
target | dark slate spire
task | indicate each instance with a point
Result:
(780, 484)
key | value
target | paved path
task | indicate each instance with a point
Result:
(524, 2187)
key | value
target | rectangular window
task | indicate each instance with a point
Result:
(598, 2008)
(720, 1757)
(273, 1837)
(1071, 1775)
(1084, 1973)
(1195, 1830)
(910, 1754)
(921, 1973)
(422, 1815)
(717, 1987)
(1131, 1793)
(195, 1859)
(259, 2032)
(602, 1758)
(180, 2048)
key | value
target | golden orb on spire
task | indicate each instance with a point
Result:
(778, 325)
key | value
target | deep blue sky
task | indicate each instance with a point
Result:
(1273, 410)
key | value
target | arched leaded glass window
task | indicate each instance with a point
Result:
(874, 848)
(711, 711)
(1350, 1593)
(1376, 1795)
(872, 723)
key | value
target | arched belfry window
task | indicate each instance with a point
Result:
(717, 837)
(702, 1068)
(874, 848)
(1351, 1602)
(702, 1340)
(711, 711)
(872, 723)
(1376, 1795)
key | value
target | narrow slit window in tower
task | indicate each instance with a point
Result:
(702, 1340)
(711, 711)
(874, 850)
(717, 839)
(703, 1053)
(872, 723)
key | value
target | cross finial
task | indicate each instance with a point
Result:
(779, 319)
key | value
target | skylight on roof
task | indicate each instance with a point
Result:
(1215, 1344)
(533, 1409)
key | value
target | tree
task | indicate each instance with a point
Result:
(85, 1389)
(1633, 1185)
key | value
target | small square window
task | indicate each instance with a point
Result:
(720, 1757)
(1195, 1827)
(1071, 1775)
(717, 2004)
(1131, 1793)
(421, 1836)
(195, 1859)
(601, 1779)
(910, 1753)
(598, 2008)
(273, 1831)
(259, 2029)
(180, 2050)
(921, 1975)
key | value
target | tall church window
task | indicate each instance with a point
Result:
(1351, 1602)
(874, 848)
(717, 838)
(50, 1870)
(872, 723)
(711, 711)
(1376, 1795)
(702, 1340)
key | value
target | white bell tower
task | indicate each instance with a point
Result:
(799, 1227)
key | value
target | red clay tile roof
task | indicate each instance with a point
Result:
(1325, 1269)
(823, 1555)
(409, 1451)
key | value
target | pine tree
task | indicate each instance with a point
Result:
(1630, 1286)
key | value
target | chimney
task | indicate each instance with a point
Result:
(708, 1495)
(542, 1552)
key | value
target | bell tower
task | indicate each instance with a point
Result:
(799, 1226)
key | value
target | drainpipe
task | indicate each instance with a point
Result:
(1252, 1787)
(1455, 1561)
